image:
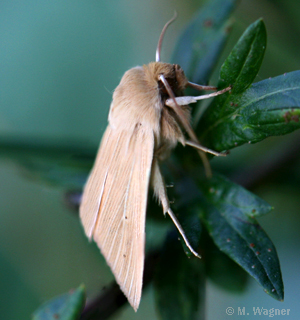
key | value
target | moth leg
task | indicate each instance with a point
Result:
(185, 100)
(161, 192)
(204, 149)
(200, 87)
(181, 231)
(159, 187)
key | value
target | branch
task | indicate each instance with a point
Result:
(112, 299)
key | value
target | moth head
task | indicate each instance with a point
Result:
(173, 73)
(175, 77)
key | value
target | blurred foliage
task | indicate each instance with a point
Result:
(65, 307)
(207, 33)
(60, 64)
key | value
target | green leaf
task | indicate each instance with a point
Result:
(238, 71)
(228, 212)
(268, 108)
(202, 41)
(242, 65)
(179, 283)
(65, 307)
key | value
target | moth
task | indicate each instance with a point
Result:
(148, 116)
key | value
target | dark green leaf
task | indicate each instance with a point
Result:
(239, 71)
(65, 307)
(268, 108)
(242, 65)
(202, 41)
(222, 270)
(179, 283)
(229, 213)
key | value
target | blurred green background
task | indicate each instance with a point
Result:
(60, 62)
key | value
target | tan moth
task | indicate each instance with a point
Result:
(147, 117)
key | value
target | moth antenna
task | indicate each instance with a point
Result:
(186, 125)
(157, 56)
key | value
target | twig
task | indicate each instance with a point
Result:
(112, 299)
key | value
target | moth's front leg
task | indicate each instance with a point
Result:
(186, 100)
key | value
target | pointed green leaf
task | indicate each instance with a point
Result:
(179, 283)
(268, 108)
(65, 307)
(238, 71)
(242, 65)
(203, 39)
(229, 213)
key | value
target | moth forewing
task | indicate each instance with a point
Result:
(118, 224)
(95, 184)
